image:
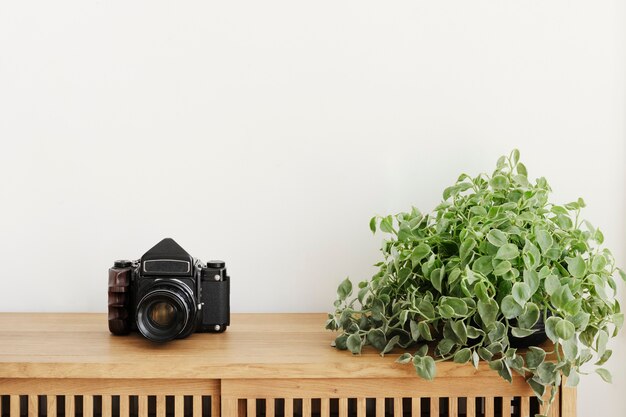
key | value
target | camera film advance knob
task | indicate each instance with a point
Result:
(215, 264)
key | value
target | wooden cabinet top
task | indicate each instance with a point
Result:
(35, 345)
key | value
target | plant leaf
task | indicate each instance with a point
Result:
(605, 375)
(551, 328)
(605, 357)
(507, 252)
(445, 346)
(564, 330)
(345, 289)
(601, 342)
(475, 359)
(428, 369)
(463, 355)
(547, 372)
(424, 331)
(514, 156)
(481, 292)
(534, 357)
(598, 263)
(460, 331)
(466, 248)
(521, 333)
(373, 221)
(544, 239)
(341, 342)
(551, 284)
(390, 345)
(521, 293)
(499, 182)
(436, 277)
(386, 224)
(354, 343)
(531, 278)
(488, 311)
(404, 358)
(502, 268)
(376, 338)
(419, 252)
(483, 265)
(497, 237)
(529, 317)
(414, 330)
(576, 266)
(510, 308)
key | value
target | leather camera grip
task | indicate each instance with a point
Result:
(119, 293)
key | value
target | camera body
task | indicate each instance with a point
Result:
(168, 294)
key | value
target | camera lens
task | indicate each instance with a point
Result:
(162, 314)
(166, 311)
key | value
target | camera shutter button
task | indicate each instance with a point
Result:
(122, 263)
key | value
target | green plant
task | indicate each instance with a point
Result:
(492, 260)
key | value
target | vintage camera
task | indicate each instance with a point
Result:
(168, 294)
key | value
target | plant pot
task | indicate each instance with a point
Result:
(534, 339)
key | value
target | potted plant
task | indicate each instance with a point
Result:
(494, 267)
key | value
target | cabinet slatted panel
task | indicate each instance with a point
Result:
(109, 398)
(483, 397)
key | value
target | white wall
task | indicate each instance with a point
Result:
(267, 133)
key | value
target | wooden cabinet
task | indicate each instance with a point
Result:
(264, 365)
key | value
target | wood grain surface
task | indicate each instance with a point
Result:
(37, 345)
